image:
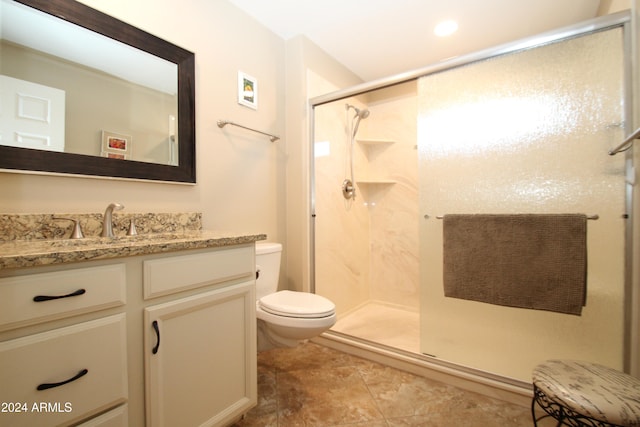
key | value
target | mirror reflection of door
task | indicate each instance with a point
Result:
(32, 115)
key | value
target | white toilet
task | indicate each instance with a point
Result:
(286, 317)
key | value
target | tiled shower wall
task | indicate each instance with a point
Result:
(367, 248)
(392, 208)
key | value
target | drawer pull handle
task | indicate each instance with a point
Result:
(41, 298)
(155, 328)
(46, 386)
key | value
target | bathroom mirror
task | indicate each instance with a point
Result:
(99, 96)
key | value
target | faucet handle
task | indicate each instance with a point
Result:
(77, 230)
(132, 229)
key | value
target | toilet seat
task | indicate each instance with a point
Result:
(297, 304)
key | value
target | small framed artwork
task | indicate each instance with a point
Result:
(116, 145)
(247, 90)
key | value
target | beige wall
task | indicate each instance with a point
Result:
(240, 175)
(612, 6)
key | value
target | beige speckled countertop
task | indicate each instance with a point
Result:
(33, 253)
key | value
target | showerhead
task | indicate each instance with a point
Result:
(362, 114)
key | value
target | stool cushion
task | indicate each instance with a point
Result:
(590, 389)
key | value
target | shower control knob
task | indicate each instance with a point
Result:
(348, 190)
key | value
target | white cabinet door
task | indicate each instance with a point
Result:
(200, 358)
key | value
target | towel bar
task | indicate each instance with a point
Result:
(626, 144)
(223, 123)
(593, 217)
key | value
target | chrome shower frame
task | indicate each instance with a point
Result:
(631, 349)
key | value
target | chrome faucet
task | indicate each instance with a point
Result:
(107, 220)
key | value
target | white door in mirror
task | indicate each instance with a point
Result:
(31, 115)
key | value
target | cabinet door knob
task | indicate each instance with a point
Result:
(155, 328)
(46, 386)
(41, 298)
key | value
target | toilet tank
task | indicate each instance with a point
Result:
(268, 267)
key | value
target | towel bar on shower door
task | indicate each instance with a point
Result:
(593, 217)
(626, 144)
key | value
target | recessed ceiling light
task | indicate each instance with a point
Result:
(446, 28)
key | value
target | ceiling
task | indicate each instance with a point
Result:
(379, 38)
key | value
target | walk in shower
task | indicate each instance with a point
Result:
(524, 128)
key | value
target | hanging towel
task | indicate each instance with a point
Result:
(521, 260)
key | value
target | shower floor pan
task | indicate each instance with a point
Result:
(381, 323)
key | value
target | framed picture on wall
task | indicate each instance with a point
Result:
(247, 90)
(116, 145)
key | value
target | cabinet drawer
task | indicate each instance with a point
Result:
(91, 289)
(114, 418)
(169, 275)
(51, 359)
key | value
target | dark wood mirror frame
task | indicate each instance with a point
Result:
(67, 163)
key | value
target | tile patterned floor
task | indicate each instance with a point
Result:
(312, 385)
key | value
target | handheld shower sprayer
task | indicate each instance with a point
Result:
(360, 114)
(348, 185)
(363, 114)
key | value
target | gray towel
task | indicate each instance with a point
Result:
(521, 260)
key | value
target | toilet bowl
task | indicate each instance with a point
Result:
(285, 318)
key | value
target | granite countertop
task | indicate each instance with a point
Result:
(40, 252)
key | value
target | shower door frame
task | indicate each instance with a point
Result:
(631, 362)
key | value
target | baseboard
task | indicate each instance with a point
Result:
(490, 385)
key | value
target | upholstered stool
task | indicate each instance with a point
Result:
(585, 394)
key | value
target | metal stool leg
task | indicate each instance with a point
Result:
(550, 410)
(533, 410)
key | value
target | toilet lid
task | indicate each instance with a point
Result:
(297, 304)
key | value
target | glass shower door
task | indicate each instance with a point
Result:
(526, 132)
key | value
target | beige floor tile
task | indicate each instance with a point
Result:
(314, 386)
(326, 397)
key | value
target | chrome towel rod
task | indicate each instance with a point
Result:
(223, 123)
(623, 144)
(596, 216)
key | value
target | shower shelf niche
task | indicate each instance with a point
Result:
(372, 148)
(372, 187)
(373, 190)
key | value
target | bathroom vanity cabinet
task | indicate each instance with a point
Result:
(200, 350)
(159, 340)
